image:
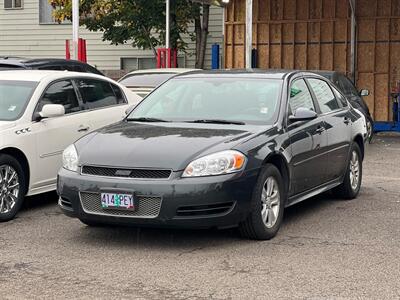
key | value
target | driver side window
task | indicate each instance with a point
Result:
(61, 92)
(300, 96)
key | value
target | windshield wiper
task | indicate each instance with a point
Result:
(143, 119)
(217, 121)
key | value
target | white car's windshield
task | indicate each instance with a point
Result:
(239, 100)
(14, 97)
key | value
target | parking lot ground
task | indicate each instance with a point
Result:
(327, 248)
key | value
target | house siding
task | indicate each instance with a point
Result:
(21, 34)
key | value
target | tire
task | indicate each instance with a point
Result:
(12, 187)
(350, 187)
(259, 225)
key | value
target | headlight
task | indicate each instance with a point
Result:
(219, 163)
(70, 158)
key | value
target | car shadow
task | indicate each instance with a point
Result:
(189, 239)
(39, 201)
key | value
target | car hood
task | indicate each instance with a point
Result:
(164, 146)
(6, 125)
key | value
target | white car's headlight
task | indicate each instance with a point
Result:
(70, 158)
(219, 163)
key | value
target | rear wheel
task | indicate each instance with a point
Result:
(351, 185)
(267, 206)
(12, 187)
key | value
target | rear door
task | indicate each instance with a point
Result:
(53, 135)
(337, 120)
(104, 102)
(308, 142)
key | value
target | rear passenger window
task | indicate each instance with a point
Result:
(118, 94)
(61, 92)
(325, 97)
(300, 96)
(96, 93)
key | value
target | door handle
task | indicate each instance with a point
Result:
(83, 129)
(320, 130)
(346, 120)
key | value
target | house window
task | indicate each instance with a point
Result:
(12, 4)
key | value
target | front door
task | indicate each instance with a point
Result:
(308, 142)
(53, 135)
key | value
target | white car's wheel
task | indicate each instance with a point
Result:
(12, 187)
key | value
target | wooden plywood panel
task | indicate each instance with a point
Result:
(313, 54)
(263, 33)
(328, 9)
(315, 9)
(326, 57)
(288, 57)
(366, 59)
(290, 7)
(383, 30)
(300, 59)
(342, 9)
(275, 35)
(238, 61)
(263, 56)
(302, 9)
(384, 7)
(366, 30)
(275, 57)
(340, 30)
(381, 112)
(313, 32)
(240, 11)
(301, 32)
(229, 34)
(394, 64)
(263, 10)
(276, 9)
(340, 58)
(326, 31)
(382, 58)
(239, 34)
(287, 33)
(366, 8)
(228, 56)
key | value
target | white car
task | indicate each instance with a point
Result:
(142, 82)
(41, 113)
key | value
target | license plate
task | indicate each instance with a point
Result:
(117, 201)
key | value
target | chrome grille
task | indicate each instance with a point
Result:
(126, 173)
(148, 206)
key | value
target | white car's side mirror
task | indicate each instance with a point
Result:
(52, 110)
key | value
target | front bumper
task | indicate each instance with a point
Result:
(204, 202)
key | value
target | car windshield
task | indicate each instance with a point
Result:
(204, 100)
(145, 80)
(14, 96)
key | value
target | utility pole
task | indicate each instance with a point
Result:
(167, 30)
(75, 27)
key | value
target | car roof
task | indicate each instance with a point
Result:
(39, 75)
(255, 73)
(162, 70)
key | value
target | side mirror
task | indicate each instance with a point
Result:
(364, 93)
(52, 110)
(303, 114)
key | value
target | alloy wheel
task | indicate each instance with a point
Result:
(270, 201)
(354, 170)
(369, 130)
(9, 188)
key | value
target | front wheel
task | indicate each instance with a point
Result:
(370, 130)
(267, 205)
(12, 187)
(351, 185)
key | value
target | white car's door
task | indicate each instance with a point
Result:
(53, 135)
(104, 102)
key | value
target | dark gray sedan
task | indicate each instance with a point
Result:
(218, 149)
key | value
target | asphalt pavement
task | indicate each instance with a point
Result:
(327, 248)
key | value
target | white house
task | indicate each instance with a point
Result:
(27, 29)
